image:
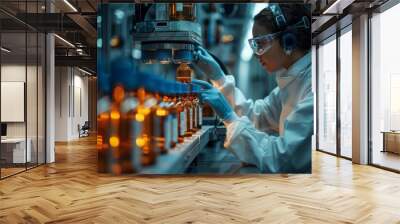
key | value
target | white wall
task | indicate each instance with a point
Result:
(81, 85)
(71, 93)
(61, 103)
(10, 73)
(33, 127)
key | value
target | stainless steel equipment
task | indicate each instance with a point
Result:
(168, 33)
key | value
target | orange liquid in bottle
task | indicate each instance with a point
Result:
(182, 11)
(168, 100)
(189, 115)
(144, 140)
(160, 125)
(195, 113)
(129, 130)
(184, 75)
(103, 123)
(115, 129)
(181, 117)
(199, 114)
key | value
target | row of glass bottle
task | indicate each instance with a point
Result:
(136, 126)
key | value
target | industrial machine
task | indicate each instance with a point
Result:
(168, 33)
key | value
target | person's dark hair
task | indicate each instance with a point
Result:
(293, 14)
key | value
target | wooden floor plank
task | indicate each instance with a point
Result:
(71, 191)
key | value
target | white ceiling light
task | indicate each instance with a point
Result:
(65, 41)
(5, 50)
(70, 5)
(84, 71)
(337, 7)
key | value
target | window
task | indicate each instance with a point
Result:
(327, 96)
(346, 92)
(385, 89)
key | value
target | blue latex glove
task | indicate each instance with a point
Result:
(216, 100)
(207, 65)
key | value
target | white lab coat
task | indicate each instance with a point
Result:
(274, 133)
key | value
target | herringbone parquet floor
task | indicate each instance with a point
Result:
(71, 191)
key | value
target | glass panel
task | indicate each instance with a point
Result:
(22, 79)
(32, 88)
(327, 96)
(41, 99)
(31, 97)
(385, 89)
(346, 94)
(14, 154)
(13, 87)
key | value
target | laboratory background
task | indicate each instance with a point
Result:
(157, 114)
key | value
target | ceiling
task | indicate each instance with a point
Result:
(76, 23)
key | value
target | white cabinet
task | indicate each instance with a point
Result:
(18, 149)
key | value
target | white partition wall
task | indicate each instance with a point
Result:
(71, 102)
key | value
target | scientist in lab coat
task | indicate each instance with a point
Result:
(273, 133)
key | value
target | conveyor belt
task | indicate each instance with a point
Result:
(177, 160)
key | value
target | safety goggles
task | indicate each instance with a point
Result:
(262, 44)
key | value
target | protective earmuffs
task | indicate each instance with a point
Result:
(288, 42)
(288, 39)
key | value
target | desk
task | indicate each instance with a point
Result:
(391, 141)
(15, 148)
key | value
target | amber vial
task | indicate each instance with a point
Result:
(184, 75)
(181, 117)
(182, 11)
(144, 141)
(129, 130)
(160, 123)
(115, 126)
(189, 116)
(172, 111)
(103, 127)
(195, 112)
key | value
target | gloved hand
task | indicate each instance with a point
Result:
(207, 65)
(216, 100)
